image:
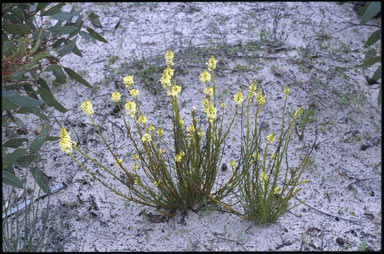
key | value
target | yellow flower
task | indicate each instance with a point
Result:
(260, 99)
(232, 163)
(177, 158)
(169, 72)
(165, 80)
(239, 98)
(142, 119)
(182, 154)
(205, 104)
(175, 90)
(211, 113)
(135, 167)
(151, 128)
(162, 150)
(205, 76)
(65, 141)
(119, 161)
(273, 156)
(87, 108)
(169, 58)
(128, 81)
(156, 183)
(200, 133)
(271, 137)
(263, 176)
(305, 181)
(222, 105)
(253, 86)
(208, 91)
(212, 63)
(191, 129)
(286, 90)
(256, 157)
(146, 137)
(135, 157)
(181, 121)
(131, 108)
(276, 190)
(160, 132)
(298, 112)
(134, 93)
(116, 96)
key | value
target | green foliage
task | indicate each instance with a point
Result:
(370, 10)
(24, 231)
(35, 36)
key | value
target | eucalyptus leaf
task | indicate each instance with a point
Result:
(377, 75)
(11, 158)
(41, 180)
(96, 35)
(16, 29)
(372, 10)
(14, 143)
(11, 179)
(52, 11)
(39, 140)
(27, 159)
(7, 48)
(369, 62)
(23, 101)
(72, 74)
(47, 96)
(62, 30)
(375, 36)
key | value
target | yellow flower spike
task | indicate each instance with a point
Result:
(175, 91)
(135, 157)
(116, 96)
(65, 141)
(169, 72)
(146, 137)
(205, 76)
(156, 183)
(131, 108)
(87, 108)
(305, 181)
(263, 176)
(256, 157)
(200, 133)
(286, 90)
(222, 105)
(211, 64)
(151, 128)
(232, 163)
(177, 158)
(181, 121)
(271, 137)
(259, 95)
(160, 132)
(239, 98)
(253, 86)
(165, 80)
(211, 113)
(169, 58)
(298, 112)
(135, 167)
(182, 154)
(208, 91)
(162, 151)
(134, 93)
(302, 201)
(142, 119)
(191, 129)
(273, 156)
(276, 190)
(128, 81)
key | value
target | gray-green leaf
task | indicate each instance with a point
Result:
(71, 73)
(40, 179)
(39, 140)
(11, 179)
(15, 142)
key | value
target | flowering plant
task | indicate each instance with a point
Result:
(265, 188)
(180, 175)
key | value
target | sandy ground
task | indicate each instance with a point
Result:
(343, 197)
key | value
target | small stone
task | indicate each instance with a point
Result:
(340, 241)
(224, 167)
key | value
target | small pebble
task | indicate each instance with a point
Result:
(224, 167)
(340, 241)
